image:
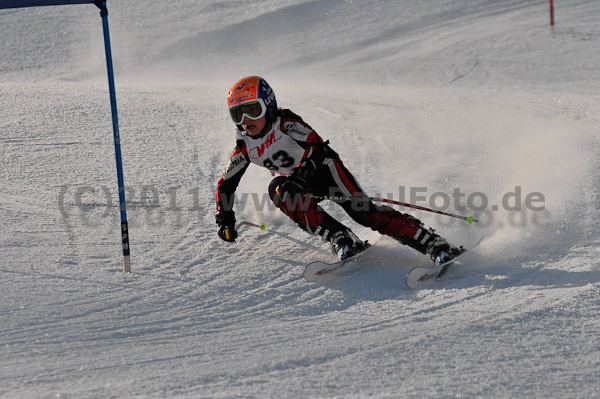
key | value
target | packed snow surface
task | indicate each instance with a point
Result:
(471, 106)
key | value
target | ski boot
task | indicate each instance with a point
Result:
(345, 244)
(441, 251)
(437, 248)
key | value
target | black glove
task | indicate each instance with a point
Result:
(226, 223)
(298, 179)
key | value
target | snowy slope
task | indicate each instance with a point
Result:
(475, 95)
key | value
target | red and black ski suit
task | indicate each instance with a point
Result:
(289, 142)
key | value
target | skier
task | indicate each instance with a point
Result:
(310, 171)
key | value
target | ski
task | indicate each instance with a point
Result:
(319, 271)
(428, 277)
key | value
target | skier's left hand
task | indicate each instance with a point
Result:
(298, 179)
(291, 187)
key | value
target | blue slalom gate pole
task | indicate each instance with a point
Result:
(115, 121)
(101, 4)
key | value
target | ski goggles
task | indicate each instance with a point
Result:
(254, 110)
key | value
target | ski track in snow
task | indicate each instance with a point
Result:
(478, 95)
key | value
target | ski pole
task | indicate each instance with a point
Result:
(261, 226)
(469, 219)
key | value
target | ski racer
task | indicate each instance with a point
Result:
(309, 171)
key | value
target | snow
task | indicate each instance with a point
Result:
(431, 96)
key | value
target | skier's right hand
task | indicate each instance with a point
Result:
(226, 225)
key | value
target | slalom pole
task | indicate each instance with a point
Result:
(552, 14)
(113, 106)
(469, 219)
